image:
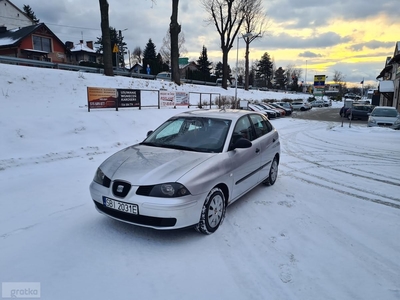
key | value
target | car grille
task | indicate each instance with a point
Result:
(385, 124)
(121, 188)
(136, 219)
(144, 190)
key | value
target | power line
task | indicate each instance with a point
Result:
(68, 26)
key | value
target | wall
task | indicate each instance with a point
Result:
(13, 17)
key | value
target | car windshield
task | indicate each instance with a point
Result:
(384, 112)
(190, 133)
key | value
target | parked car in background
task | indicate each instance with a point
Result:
(271, 114)
(352, 96)
(317, 103)
(279, 111)
(288, 111)
(360, 112)
(218, 82)
(385, 116)
(285, 104)
(197, 163)
(300, 105)
(164, 76)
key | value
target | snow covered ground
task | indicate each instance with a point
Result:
(328, 229)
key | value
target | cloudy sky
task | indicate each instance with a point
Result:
(316, 36)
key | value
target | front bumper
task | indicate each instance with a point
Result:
(157, 213)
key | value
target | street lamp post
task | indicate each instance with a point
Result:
(121, 51)
(249, 34)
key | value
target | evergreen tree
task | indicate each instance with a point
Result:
(116, 39)
(29, 12)
(281, 79)
(265, 69)
(150, 50)
(204, 65)
(150, 58)
(218, 70)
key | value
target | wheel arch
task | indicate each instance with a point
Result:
(224, 188)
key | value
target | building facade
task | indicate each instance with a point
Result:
(12, 17)
(389, 80)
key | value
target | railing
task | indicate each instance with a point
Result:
(46, 64)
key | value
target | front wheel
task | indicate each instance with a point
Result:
(213, 212)
(273, 173)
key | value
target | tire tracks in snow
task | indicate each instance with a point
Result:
(310, 157)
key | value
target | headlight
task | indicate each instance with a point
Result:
(164, 190)
(102, 179)
(397, 122)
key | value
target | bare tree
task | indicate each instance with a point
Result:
(227, 16)
(165, 50)
(175, 29)
(105, 31)
(338, 78)
(137, 54)
(255, 24)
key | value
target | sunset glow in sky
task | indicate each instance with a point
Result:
(319, 37)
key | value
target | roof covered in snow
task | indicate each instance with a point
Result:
(82, 47)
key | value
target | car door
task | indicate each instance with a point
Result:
(267, 139)
(245, 163)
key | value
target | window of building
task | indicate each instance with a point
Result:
(92, 58)
(41, 43)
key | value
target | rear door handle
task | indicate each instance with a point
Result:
(257, 150)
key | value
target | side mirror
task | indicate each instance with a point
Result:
(149, 132)
(241, 144)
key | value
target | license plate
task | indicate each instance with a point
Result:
(121, 206)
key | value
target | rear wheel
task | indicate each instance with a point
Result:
(273, 173)
(213, 212)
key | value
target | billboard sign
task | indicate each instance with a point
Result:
(128, 98)
(101, 97)
(112, 98)
(319, 85)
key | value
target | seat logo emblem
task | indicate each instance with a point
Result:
(120, 188)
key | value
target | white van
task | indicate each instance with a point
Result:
(164, 76)
(219, 82)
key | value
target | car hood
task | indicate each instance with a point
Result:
(146, 165)
(384, 119)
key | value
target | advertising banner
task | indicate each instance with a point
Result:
(101, 97)
(128, 98)
(181, 99)
(112, 98)
(167, 99)
(319, 85)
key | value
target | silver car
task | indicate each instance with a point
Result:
(384, 116)
(188, 170)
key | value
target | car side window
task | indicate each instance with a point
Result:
(242, 129)
(262, 125)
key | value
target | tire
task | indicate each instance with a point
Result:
(213, 212)
(273, 173)
(302, 109)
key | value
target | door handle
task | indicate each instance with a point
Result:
(257, 150)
